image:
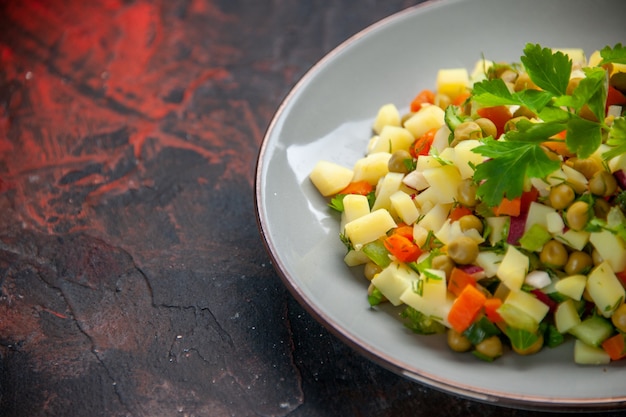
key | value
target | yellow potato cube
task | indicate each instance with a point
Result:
(405, 208)
(452, 82)
(354, 206)
(391, 139)
(428, 117)
(611, 248)
(368, 228)
(389, 184)
(388, 115)
(329, 178)
(445, 179)
(372, 168)
(529, 304)
(513, 268)
(394, 280)
(605, 289)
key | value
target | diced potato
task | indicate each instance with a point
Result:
(355, 258)
(405, 208)
(329, 178)
(391, 139)
(489, 262)
(389, 184)
(429, 301)
(354, 206)
(369, 227)
(572, 286)
(513, 268)
(394, 280)
(575, 239)
(537, 214)
(575, 179)
(425, 162)
(566, 316)
(435, 217)
(372, 168)
(388, 115)
(577, 55)
(464, 157)
(605, 289)
(589, 355)
(555, 223)
(498, 226)
(479, 73)
(528, 303)
(445, 179)
(420, 234)
(428, 117)
(452, 82)
(611, 248)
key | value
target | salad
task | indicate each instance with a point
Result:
(493, 209)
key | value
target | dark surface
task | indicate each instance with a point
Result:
(133, 279)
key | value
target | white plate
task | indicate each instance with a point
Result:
(328, 116)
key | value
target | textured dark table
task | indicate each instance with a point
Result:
(133, 281)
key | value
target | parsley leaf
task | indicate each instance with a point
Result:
(583, 136)
(495, 93)
(549, 71)
(617, 54)
(511, 163)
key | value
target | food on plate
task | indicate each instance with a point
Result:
(493, 209)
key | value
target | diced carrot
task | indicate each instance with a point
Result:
(558, 144)
(465, 308)
(358, 187)
(422, 145)
(458, 280)
(491, 309)
(499, 115)
(404, 230)
(508, 207)
(402, 248)
(423, 97)
(615, 346)
(458, 212)
(460, 99)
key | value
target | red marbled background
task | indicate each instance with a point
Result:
(133, 281)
